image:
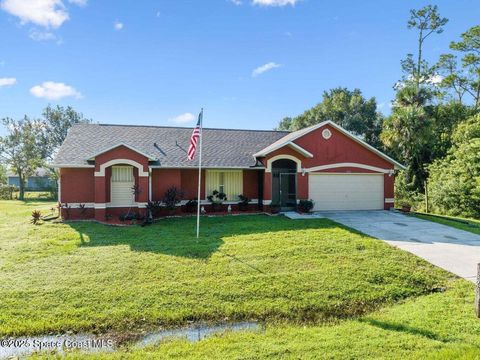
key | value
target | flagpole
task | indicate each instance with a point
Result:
(199, 174)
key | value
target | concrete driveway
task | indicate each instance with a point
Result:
(454, 250)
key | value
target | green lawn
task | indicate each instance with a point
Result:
(471, 225)
(321, 288)
(436, 326)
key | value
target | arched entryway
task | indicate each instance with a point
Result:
(284, 183)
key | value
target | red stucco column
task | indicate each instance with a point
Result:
(388, 190)
(302, 186)
(143, 186)
(100, 198)
(267, 188)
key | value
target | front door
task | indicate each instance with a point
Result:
(288, 190)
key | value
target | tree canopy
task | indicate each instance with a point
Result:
(31, 143)
(347, 108)
(22, 149)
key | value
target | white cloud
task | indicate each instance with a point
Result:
(158, 14)
(47, 13)
(78, 2)
(236, 2)
(183, 118)
(264, 68)
(274, 2)
(7, 81)
(54, 91)
(435, 79)
(118, 25)
(42, 35)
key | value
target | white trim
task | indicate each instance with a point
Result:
(139, 166)
(267, 202)
(355, 165)
(299, 149)
(281, 156)
(122, 144)
(208, 167)
(139, 205)
(70, 166)
(301, 133)
(59, 187)
(77, 205)
(389, 200)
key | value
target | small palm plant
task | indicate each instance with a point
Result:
(36, 216)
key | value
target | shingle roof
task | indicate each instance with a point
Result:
(221, 147)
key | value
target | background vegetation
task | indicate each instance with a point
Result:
(434, 126)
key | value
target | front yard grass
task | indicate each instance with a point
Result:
(470, 225)
(436, 326)
(84, 276)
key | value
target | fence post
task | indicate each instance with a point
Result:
(477, 292)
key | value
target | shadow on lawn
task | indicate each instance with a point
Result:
(390, 326)
(176, 237)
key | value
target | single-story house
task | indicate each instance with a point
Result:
(100, 163)
(39, 181)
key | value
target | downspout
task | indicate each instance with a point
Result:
(150, 172)
(59, 186)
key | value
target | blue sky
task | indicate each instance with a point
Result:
(154, 62)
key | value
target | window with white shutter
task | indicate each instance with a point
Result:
(229, 182)
(122, 182)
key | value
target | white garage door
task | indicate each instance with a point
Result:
(346, 191)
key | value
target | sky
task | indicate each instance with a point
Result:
(248, 63)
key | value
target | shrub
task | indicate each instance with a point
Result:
(36, 216)
(6, 192)
(217, 197)
(172, 198)
(191, 205)
(243, 203)
(132, 217)
(305, 206)
(454, 183)
(153, 208)
(67, 208)
(83, 210)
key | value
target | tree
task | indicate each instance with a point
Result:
(427, 21)
(470, 46)
(447, 68)
(22, 148)
(3, 174)
(347, 108)
(407, 134)
(58, 120)
(454, 182)
(444, 119)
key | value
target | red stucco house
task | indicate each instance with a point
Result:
(99, 164)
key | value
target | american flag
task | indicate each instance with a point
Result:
(194, 138)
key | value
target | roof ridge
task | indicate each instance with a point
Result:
(183, 127)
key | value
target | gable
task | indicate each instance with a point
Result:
(118, 153)
(342, 145)
(339, 148)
